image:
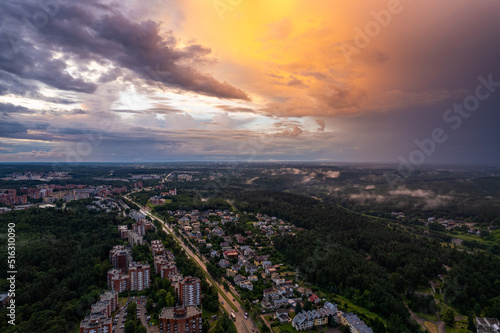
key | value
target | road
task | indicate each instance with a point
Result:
(242, 325)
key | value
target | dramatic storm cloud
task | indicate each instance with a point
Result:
(276, 80)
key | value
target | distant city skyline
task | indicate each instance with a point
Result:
(389, 82)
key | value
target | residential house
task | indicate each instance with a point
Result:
(266, 264)
(356, 325)
(314, 299)
(230, 254)
(270, 270)
(282, 316)
(258, 260)
(239, 239)
(301, 322)
(278, 281)
(250, 269)
(246, 285)
(306, 320)
(270, 292)
(253, 278)
(487, 325)
(279, 302)
(303, 291)
(239, 278)
(223, 263)
(230, 272)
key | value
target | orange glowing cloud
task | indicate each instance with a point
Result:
(300, 58)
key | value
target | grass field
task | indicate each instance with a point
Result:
(357, 309)
(457, 329)
(431, 327)
(430, 317)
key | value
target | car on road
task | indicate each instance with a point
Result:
(234, 300)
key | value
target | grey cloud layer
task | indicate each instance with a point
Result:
(91, 31)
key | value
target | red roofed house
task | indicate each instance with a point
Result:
(314, 299)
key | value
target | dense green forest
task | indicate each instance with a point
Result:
(62, 260)
(374, 264)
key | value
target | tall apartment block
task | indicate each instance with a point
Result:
(118, 281)
(189, 291)
(123, 230)
(157, 248)
(119, 257)
(140, 276)
(185, 319)
(167, 270)
(96, 324)
(112, 298)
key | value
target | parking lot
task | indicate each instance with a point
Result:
(122, 315)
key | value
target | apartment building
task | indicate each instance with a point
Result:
(118, 281)
(189, 291)
(140, 276)
(185, 319)
(120, 257)
(96, 324)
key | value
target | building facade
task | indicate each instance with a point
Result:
(119, 257)
(140, 276)
(96, 324)
(189, 291)
(487, 325)
(185, 319)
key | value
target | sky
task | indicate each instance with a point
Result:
(380, 81)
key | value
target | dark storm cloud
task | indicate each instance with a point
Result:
(9, 128)
(27, 56)
(9, 84)
(14, 129)
(6, 109)
(91, 31)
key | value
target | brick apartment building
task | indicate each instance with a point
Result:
(119, 257)
(96, 324)
(9, 197)
(112, 298)
(185, 319)
(142, 226)
(123, 230)
(140, 276)
(167, 270)
(99, 320)
(157, 248)
(189, 291)
(158, 262)
(118, 281)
